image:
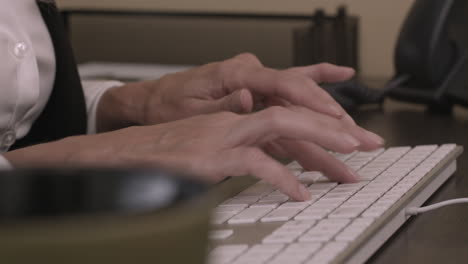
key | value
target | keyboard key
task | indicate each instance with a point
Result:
(309, 177)
(249, 215)
(243, 200)
(322, 187)
(267, 204)
(374, 212)
(311, 215)
(259, 254)
(220, 217)
(289, 232)
(281, 237)
(280, 214)
(297, 205)
(260, 188)
(297, 225)
(220, 234)
(328, 252)
(233, 208)
(344, 157)
(226, 253)
(274, 199)
(324, 231)
(296, 253)
(356, 228)
(234, 202)
(347, 212)
(294, 166)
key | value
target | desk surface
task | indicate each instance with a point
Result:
(441, 235)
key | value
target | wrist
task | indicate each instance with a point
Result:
(53, 154)
(121, 107)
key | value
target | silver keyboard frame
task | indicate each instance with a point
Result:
(378, 232)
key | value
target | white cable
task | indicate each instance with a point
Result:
(419, 210)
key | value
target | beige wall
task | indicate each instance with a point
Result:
(380, 20)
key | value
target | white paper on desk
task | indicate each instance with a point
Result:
(127, 71)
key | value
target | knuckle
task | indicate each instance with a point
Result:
(325, 65)
(254, 156)
(225, 68)
(248, 58)
(274, 113)
(275, 117)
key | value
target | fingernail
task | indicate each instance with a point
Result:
(351, 140)
(305, 194)
(375, 138)
(335, 110)
(354, 176)
(348, 70)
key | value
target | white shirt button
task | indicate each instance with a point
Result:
(8, 139)
(20, 50)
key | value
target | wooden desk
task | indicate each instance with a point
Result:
(439, 236)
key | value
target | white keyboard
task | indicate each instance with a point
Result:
(342, 223)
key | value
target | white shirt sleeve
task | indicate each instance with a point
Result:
(93, 90)
(4, 164)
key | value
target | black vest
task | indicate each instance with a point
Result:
(65, 112)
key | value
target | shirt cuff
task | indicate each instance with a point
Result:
(4, 164)
(93, 90)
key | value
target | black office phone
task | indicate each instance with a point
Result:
(431, 55)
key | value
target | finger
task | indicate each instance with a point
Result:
(246, 71)
(279, 122)
(367, 139)
(274, 100)
(276, 150)
(249, 59)
(278, 101)
(313, 157)
(240, 101)
(253, 161)
(293, 87)
(326, 72)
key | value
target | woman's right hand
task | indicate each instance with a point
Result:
(212, 147)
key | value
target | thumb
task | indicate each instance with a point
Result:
(239, 101)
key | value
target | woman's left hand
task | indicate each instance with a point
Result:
(237, 85)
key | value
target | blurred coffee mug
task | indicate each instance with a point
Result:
(102, 216)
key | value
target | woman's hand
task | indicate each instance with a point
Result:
(212, 147)
(239, 85)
